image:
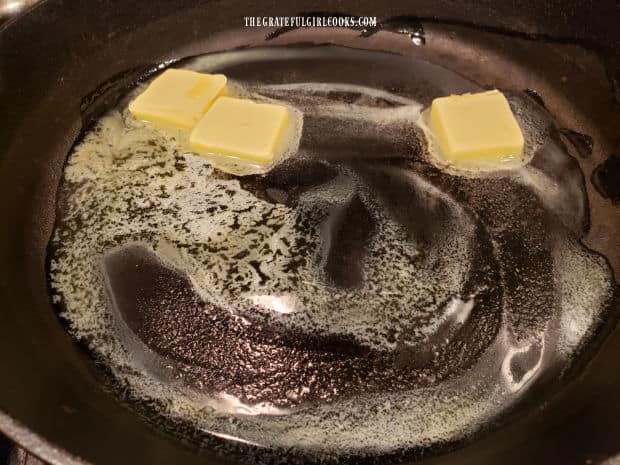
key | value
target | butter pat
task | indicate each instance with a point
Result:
(241, 128)
(178, 97)
(474, 127)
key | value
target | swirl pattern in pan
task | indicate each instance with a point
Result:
(356, 288)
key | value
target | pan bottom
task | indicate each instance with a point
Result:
(355, 289)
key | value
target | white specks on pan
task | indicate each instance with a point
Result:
(128, 182)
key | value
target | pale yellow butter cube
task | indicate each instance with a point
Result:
(474, 127)
(178, 97)
(241, 128)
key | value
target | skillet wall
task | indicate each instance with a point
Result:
(59, 52)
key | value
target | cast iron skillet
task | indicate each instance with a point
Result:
(51, 397)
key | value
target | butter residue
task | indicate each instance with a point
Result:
(131, 182)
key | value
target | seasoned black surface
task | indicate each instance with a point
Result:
(511, 242)
(606, 178)
(61, 398)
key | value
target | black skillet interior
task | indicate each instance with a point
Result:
(60, 51)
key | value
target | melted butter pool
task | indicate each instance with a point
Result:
(354, 289)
